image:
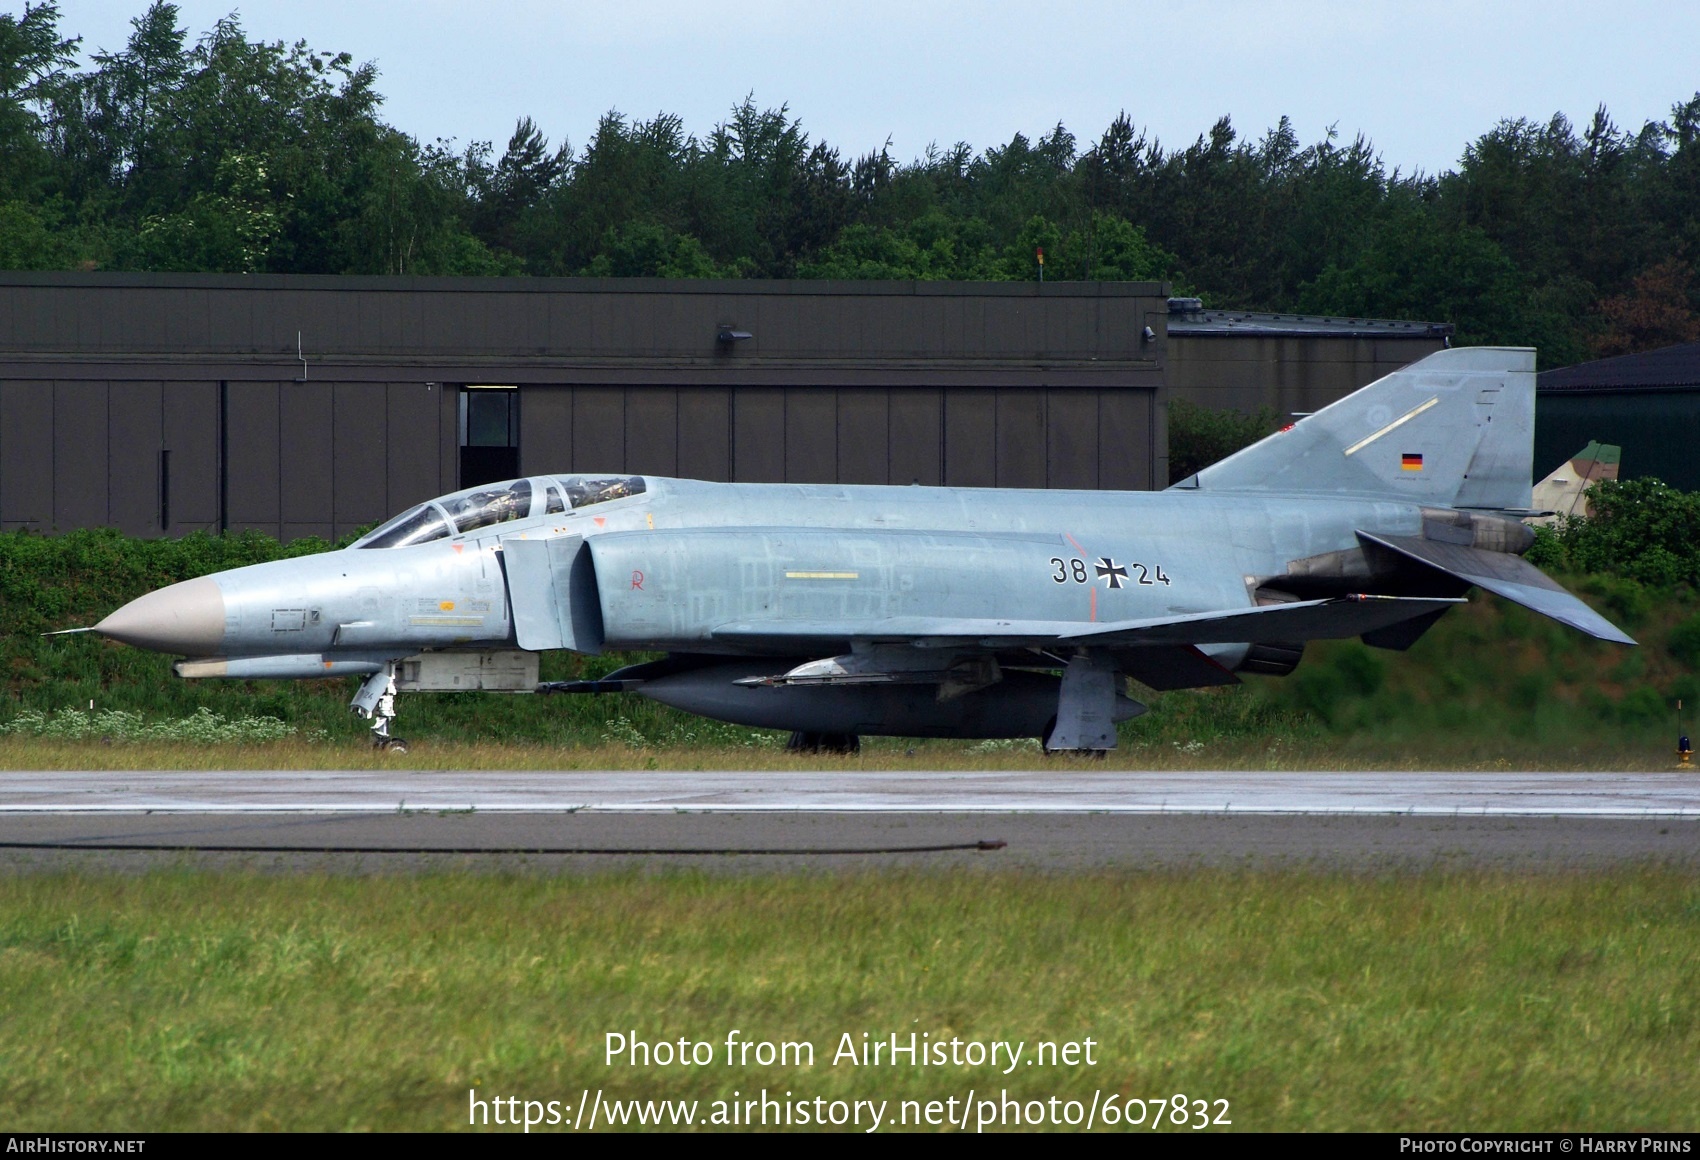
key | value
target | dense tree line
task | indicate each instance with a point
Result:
(220, 153)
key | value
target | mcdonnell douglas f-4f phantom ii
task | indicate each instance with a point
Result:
(836, 611)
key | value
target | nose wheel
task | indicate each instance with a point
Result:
(376, 700)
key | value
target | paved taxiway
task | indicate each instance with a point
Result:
(1058, 819)
(1053, 791)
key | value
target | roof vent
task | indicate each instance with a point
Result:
(1185, 305)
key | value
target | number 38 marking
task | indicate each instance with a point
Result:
(1065, 573)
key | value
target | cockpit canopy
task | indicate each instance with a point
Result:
(498, 503)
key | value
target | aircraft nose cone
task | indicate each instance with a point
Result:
(186, 618)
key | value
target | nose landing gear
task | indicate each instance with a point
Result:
(376, 701)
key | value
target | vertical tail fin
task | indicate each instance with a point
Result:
(1455, 429)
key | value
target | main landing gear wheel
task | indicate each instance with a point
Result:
(1046, 749)
(843, 743)
(390, 744)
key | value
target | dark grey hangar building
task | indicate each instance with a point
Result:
(1290, 363)
(1648, 404)
(161, 404)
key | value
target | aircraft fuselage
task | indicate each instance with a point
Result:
(684, 559)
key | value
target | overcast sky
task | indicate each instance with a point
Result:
(1420, 80)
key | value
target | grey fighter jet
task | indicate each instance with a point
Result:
(836, 611)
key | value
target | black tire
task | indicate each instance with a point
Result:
(846, 744)
(840, 743)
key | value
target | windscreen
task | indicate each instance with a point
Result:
(493, 505)
(415, 526)
(584, 490)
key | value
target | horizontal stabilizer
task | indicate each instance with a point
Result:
(1333, 618)
(1511, 577)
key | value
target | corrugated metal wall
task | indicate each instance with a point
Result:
(961, 384)
(1001, 437)
(303, 458)
(1287, 374)
(80, 453)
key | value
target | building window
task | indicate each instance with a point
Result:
(489, 434)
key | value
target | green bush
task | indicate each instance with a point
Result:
(1626, 601)
(1529, 690)
(1547, 551)
(52, 582)
(1200, 436)
(1631, 668)
(1640, 529)
(1684, 642)
(1643, 706)
(1319, 690)
(1361, 671)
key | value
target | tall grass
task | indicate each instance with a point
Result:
(1315, 1001)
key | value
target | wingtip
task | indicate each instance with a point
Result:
(1599, 628)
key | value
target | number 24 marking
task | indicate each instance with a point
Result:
(1161, 578)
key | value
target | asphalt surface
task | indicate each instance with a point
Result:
(1670, 794)
(360, 822)
(745, 842)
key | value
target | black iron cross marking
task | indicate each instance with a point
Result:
(1110, 572)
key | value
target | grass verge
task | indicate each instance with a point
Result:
(1309, 1000)
(878, 755)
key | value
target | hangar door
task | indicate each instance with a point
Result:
(963, 437)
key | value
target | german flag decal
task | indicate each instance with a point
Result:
(1409, 462)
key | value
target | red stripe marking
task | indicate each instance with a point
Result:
(1076, 544)
(1094, 602)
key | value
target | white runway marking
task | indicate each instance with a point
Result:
(1615, 795)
